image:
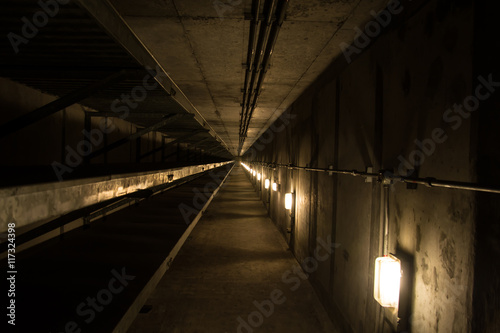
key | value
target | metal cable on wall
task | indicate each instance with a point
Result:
(387, 177)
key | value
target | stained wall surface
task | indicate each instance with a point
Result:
(388, 109)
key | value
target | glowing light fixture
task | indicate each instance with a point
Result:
(266, 184)
(254, 172)
(387, 281)
(275, 187)
(259, 176)
(288, 201)
(245, 166)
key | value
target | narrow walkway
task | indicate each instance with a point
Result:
(87, 280)
(232, 265)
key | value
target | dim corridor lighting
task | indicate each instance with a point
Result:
(259, 176)
(275, 187)
(387, 281)
(266, 184)
(288, 201)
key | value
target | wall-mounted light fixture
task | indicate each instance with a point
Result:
(254, 173)
(290, 207)
(387, 281)
(275, 186)
(387, 277)
(267, 184)
(259, 176)
(288, 201)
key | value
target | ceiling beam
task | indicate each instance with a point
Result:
(183, 138)
(142, 115)
(114, 24)
(135, 135)
(59, 104)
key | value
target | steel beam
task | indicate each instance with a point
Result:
(59, 104)
(170, 155)
(149, 153)
(142, 115)
(56, 73)
(114, 24)
(136, 135)
(183, 138)
(217, 151)
(185, 130)
(200, 141)
(178, 140)
(216, 148)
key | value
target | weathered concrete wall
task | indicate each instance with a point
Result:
(44, 142)
(369, 114)
(24, 205)
(486, 299)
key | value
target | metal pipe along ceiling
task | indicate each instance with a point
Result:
(280, 14)
(258, 60)
(255, 63)
(254, 24)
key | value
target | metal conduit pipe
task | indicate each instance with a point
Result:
(280, 18)
(345, 172)
(385, 240)
(387, 177)
(265, 28)
(431, 182)
(254, 23)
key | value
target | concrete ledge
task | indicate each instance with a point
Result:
(25, 205)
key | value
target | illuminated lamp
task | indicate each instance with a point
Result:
(387, 281)
(288, 201)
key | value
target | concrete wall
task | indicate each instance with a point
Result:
(25, 205)
(486, 300)
(369, 114)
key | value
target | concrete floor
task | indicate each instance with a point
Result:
(234, 261)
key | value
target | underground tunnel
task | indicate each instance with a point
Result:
(249, 166)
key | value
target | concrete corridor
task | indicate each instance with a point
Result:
(234, 274)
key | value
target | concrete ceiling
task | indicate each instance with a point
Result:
(203, 45)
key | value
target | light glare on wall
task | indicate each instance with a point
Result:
(288, 201)
(259, 176)
(266, 183)
(275, 187)
(387, 281)
(254, 173)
